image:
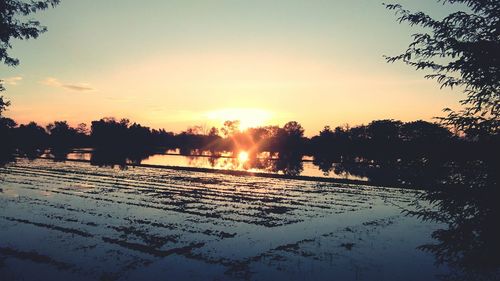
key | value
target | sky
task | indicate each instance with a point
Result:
(174, 64)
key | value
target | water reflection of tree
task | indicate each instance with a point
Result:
(466, 201)
(59, 154)
(413, 172)
(463, 196)
(214, 162)
(325, 164)
(120, 158)
(288, 164)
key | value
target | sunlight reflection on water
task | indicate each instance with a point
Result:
(225, 162)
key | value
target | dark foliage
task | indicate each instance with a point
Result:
(108, 133)
(63, 136)
(15, 23)
(3, 103)
(462, 50)
(465, 200)
(7, 145)
(389, 140)
(381, 141)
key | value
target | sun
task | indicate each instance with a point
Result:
(243, 156)
(248, 117)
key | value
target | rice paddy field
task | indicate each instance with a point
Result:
(73, 221)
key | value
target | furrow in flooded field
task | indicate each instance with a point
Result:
(196, 199)
(152, 251)
(246, 215)
(205, 193)
(157, 185)
(98, 221)
(217, 197)
(34, 257)
(294, 203)
(49, 226)
(138, 173)
(119, 227)
(229, 214)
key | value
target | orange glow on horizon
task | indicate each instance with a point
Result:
(247, 117)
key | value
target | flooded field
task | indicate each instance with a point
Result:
(304, 166)
(74, 221)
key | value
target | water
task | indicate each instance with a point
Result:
(66, 220)
(74, 221)
(303, 167)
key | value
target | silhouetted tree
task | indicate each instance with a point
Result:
(462, 50)
(163, 138)
(15, 23)
(289, 138)
(198, 130)
(3, 104)
(7, 146)
(268, 139)
(109, 133)
(7, 123)
(61, 134)
(328, 143)
(326, 132)
(31, 139)
(384, 130)
(213, 132)
(230, 127)
(82, 129)
(293, 129)
(424, 132)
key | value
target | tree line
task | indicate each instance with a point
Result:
(380, 139)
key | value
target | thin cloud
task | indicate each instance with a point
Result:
(54, 82)
(14, 80)
(77, 87)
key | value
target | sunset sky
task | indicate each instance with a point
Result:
(172, 64)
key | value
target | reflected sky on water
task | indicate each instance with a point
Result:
(450, 228)
(262, 164)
